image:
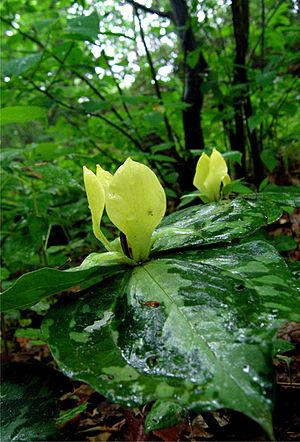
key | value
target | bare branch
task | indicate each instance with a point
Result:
(154, 77)
(261, 35)
(162, 14)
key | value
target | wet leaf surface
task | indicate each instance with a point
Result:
(34, 286)
(215, 222)
(29, 405)
(195, 329)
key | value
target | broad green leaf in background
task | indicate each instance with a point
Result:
(234, 156)
(18, 66)
(34, 286)
(21, 114)
(84, 27)
(282, 195)
(29, 405)
(194, 330)
(268, 157)
(193, 57)
(214, 222)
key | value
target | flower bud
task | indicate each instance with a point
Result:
(211, 172)
(136, 203)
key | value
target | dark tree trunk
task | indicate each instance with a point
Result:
(241, 100)
(192, 96)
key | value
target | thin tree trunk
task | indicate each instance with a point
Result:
(192, 96)
(242, 101)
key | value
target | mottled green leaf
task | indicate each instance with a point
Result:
(282, 195)
(258, 266)
(215, 222)
(193, 329)
(34, 286)
(29, 406)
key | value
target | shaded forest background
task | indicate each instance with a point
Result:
(95, 82)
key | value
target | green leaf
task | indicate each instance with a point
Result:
(284, 243)
(162, 158)
(84, 27)
(265, 78)
(163, 414)
(29, 402)
(255, 120)
(238, 187)
(34, 286)
(18, 66)
(68, 415)
(21, 114)
(4, 273)
(193, 57)
(29, 333)
(259, 266)
(268, 157)
(263, 184)
(215, 222)
(234, 156)
(192, 331)
(161, 147)
(153, 118)
(282, 195)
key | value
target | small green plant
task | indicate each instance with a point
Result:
(184, 316)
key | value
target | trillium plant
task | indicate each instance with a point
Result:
(180, 311)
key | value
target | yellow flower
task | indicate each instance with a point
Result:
(135, 203)
(211, 172)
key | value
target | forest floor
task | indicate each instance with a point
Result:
(104, 421)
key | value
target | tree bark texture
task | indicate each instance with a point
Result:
(241, 100)
(192, 96)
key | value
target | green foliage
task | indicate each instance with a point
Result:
(29, 402)
(68, 415)
(162, 330)
(32, 287)
(194, 326)
(21, 114)
(68, 102)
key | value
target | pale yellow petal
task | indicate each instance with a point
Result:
(96, 199)
(217, 172)
(201, 173)
(218, 164)
(226, 180)
(136, 203)
(104, 177)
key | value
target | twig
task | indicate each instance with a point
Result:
(82, 77)
(91, 141)
(251, 55)
(144, 8)
(83, 111)
(154, 76)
